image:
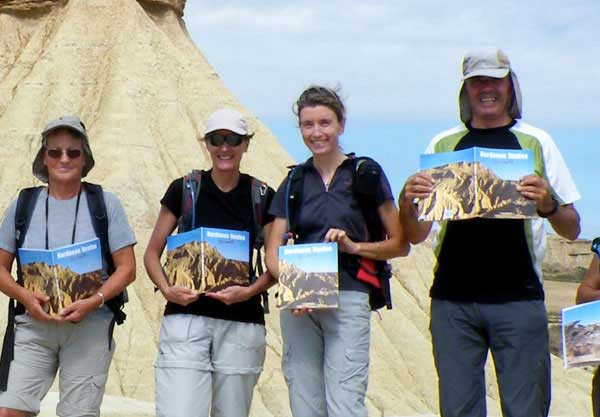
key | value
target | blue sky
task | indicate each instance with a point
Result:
(398, 63)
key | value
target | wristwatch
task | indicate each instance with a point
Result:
(555, 206)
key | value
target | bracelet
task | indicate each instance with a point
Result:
(99, 294)
(555, 207)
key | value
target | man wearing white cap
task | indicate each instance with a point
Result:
(487, 293)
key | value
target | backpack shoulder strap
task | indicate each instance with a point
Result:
(97, 207)
(259, 206)
(99, 215)
(259, 202)
(24, 210)
(189, 195)
(293, 198)
(365, 182)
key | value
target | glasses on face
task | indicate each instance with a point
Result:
(57, 153)
(218, 139)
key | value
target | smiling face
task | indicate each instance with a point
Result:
(64, 169)
(226, 157)
(320, 129)
(490, 100)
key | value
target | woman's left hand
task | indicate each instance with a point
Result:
(231, 295)
(345, 244)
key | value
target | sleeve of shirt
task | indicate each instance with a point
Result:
(558, 174)
(384, 191)
(120, 234)
(7, 229)
(173, 196)
(277, 207)
(268, 217)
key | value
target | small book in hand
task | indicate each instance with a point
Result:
(308, 276)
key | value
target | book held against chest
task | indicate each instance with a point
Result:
(65, 274)
(208, 259)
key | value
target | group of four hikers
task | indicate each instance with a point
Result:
(486, 295)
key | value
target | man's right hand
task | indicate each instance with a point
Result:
(179, 295)
(419, 185)
(36, 306)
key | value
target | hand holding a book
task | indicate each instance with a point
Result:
(79, 309)
(419, 185)
(179, 295)
(297, 312)
(345, 244)
(36, 306)
(534, 187)
(231, 295)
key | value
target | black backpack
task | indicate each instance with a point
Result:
(365, 182)
(24, 210)
(187, 219)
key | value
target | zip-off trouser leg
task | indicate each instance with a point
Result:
(207, 366)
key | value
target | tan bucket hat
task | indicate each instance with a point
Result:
(74, 124)
(488, 62)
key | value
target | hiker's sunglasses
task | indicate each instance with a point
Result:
(56, 153)
(218, 139)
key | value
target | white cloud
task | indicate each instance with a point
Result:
(400, 59)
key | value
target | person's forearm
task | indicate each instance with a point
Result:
(155, 270)
(9, 286)
(383, 250)
(415, 231)
(123, 275)
(589, 289)
(262, 284)
(585, 294)
(565, 222)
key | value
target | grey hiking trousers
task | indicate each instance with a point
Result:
(326, 358)
(516, 333)
(207, 366)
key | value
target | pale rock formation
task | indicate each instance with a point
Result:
(144, 90)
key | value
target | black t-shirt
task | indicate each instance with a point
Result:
(486, 260)
(230, 210)
(335, 207)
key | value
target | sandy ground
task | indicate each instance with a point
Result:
(559, 295)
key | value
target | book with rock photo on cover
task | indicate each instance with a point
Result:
(208, 259)
(581, 335)
(308, 276)
(477, 182)
(65, 274)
